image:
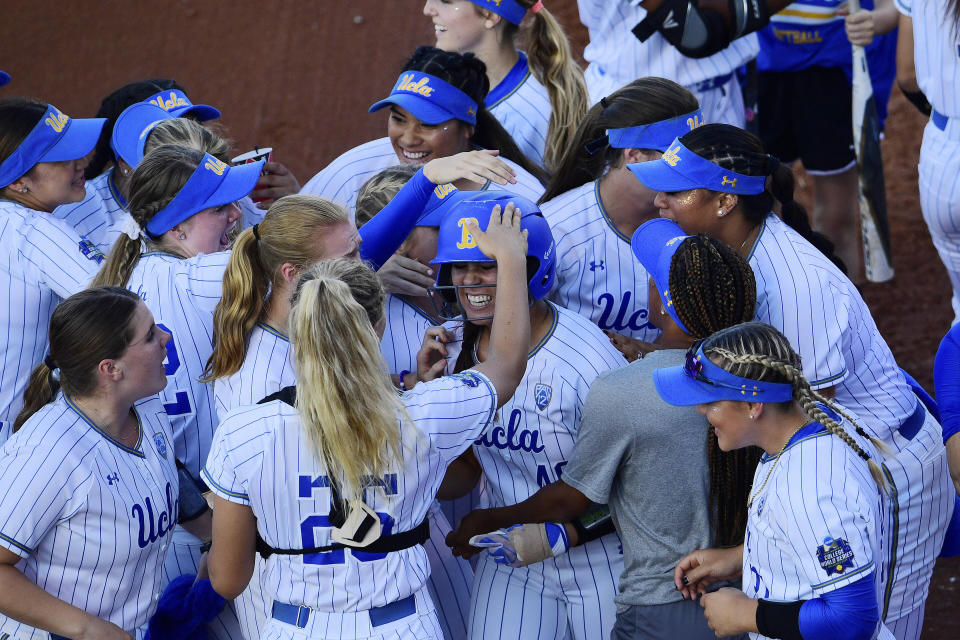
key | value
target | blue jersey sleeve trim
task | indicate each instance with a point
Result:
(848, 612)
(387, 230)
(830, 379)
(845, 576)
(11, 541)
(219, 489)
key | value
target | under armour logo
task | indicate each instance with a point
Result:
(596, 265)
(732, 183)
(113, 478)
(669, 22)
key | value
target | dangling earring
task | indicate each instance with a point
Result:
(126, 172)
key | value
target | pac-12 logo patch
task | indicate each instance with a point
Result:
(161, 443)
(541, 395)
(835, 556)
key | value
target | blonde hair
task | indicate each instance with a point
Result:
(286, 234)
(155, 183)
(379, 190)
(187, 133)
(758, 351)
(348, 406)
(551, 62)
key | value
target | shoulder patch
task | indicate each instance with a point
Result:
(91, 251)
(835, 556)
(161, 443)
(542, 393)
(468, 378)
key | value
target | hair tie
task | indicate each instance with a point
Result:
(773, 163)
(49, 362)
(537, 7)
(604, 103)
(597, 144)
(256, 231)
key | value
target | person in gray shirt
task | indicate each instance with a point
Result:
(646, 459)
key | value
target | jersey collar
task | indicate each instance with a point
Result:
(514, 79)
(135, 450)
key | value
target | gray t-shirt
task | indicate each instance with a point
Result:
(648, 461)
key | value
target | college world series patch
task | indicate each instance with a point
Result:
(835, 556)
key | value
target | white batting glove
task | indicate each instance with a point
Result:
(524, 544)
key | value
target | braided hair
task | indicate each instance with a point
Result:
(155, 183)
(758, 351)
(712, 288)
(468, 73)
(111, 108)
(743, 152)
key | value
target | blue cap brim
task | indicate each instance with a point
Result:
(677, 388)
(422, 109)
(79, 139)
(238, 182)
(4, 78)
(203, 112)
(657, 175)
(649, 240)
(128, 137)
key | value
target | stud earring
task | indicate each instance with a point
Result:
(753, 417)
(126, 172)
(183, 236)
(720, 213)
(24, 190)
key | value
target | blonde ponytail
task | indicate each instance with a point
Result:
(348, 406)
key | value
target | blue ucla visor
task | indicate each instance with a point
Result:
(178, 105)
(213, 183)
(132, 129)
(655, 244)
(657, 135)
(681, 169)
(4, 78)
(507, 9)
(56, 138)
(700, 381)
(429, 99)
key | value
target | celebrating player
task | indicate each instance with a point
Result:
(436, 110)
(43, 260)
(594, 204)
(353, 443)
(811, 563)
(539, 96)
(531, 437)
(713, 180)
(646, 459)
(89, 491)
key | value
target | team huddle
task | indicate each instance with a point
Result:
(558, 357)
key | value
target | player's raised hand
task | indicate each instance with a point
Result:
(729, 612)
(698, 570)
(478, 166)
(432, 357)
(503, 236)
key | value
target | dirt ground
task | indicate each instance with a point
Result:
(299, 75)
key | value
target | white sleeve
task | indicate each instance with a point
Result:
(905, 7)
(221, 471)
(452, 411)
(58, 256)
(205, 280)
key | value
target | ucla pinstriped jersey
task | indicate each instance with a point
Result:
(266, 369)
(616, 57)
(817, 525)
(182, 295)
(90, 517)
(521, 104)
(597, 273)
(42, 261)
(403, 334)
(805, 296)
(100, 215)
(936, 53)
(262, 458)
(341, 180)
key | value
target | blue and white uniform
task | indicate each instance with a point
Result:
(100, 216)
(816, 524)
(90, 516)
(42, 261)
(522, 105)
(341, 180)
(182, 295)
(937, 61)
(616, 57)
(262, 458)
(525, 448)
(597, 273)
(403, 334)
(805, 296)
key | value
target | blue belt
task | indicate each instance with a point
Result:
(939, 120)
(298, 616)
(713, 83)
(911, 426)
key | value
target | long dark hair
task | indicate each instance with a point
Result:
(643, 101)
(18, 117)
(743, 152)
(86, 328)
(468, 73)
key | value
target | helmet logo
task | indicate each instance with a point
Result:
(467, 241)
